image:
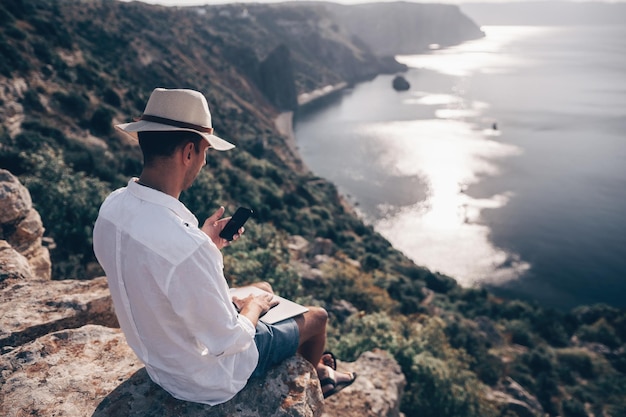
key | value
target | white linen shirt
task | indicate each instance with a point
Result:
(170, 296)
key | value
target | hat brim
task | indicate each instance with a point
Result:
(132, 128)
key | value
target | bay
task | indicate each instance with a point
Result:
(502, 166)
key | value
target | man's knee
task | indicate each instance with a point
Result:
(319, 317)
(312, 323)
(264, 285)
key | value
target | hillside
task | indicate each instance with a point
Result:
(403, 27)
(552, 13)
(69, 69)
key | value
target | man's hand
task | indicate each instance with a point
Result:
(214, 225)
(254, 306)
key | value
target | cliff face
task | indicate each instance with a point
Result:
(403, 27)
(546, 13)
(322, 52)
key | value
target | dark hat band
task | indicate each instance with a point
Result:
(176, 123)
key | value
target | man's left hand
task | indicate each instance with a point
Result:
(214, 225)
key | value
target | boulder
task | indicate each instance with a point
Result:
(15, 202)
(288, 390)
(510, 407)
(400, 83)
(298, 246)
(21, 228)
(514, 389)
(66, 373)
(13, 265)
(31, 309)
(321, 246)
(514, 398)
(375, 393)
(91, 371)
(342, 309)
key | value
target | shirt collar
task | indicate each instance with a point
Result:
(157, 197)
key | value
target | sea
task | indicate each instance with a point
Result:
(503, 165)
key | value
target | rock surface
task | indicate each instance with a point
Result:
(29, 310)
(376, 392)
(91, 371)
(20, 230)
(66, 373)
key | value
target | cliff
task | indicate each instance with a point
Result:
(546, 13)
(404, 28)
(63, 354)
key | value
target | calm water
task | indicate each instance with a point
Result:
(504, 165)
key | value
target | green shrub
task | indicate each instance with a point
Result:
(43, 52)
(6, 18)
(599, 332)
(31, 102)
(18, 8)
(11, 59)
(13, 31)
(540, 360)
(261, 255)
(549, 324)
(520, 333)
(53, 32)
(573, 408)
(576, 360)
(110, 97)
(370, 262)
(102, 121)
(516, 309)
(73, 104)
(440, 283)
(68, 204)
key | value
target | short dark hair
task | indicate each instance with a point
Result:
(155, 144)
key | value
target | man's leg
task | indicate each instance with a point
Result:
(312, 327)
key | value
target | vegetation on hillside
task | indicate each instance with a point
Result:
(70, 69)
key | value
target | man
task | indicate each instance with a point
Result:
(166, 274)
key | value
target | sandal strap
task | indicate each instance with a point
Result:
(328, 381)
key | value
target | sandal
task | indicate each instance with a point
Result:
(337, 386)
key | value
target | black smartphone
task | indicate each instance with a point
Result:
(234, 224)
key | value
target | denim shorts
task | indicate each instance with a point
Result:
(275, 343)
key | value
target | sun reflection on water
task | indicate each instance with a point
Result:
(486, 55)
(444, 231)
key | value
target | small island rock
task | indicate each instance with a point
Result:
(400, 83)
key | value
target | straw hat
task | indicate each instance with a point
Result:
(177, 109)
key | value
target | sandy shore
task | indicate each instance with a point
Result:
(305, 99)
(284, 121)
(284, 125)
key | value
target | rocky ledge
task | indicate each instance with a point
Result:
(63, 354)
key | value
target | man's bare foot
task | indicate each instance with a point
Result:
(329, 360)
(332, 381)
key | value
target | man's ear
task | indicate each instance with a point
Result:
(186, 152)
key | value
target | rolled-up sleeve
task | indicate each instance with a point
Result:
(199, 295)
